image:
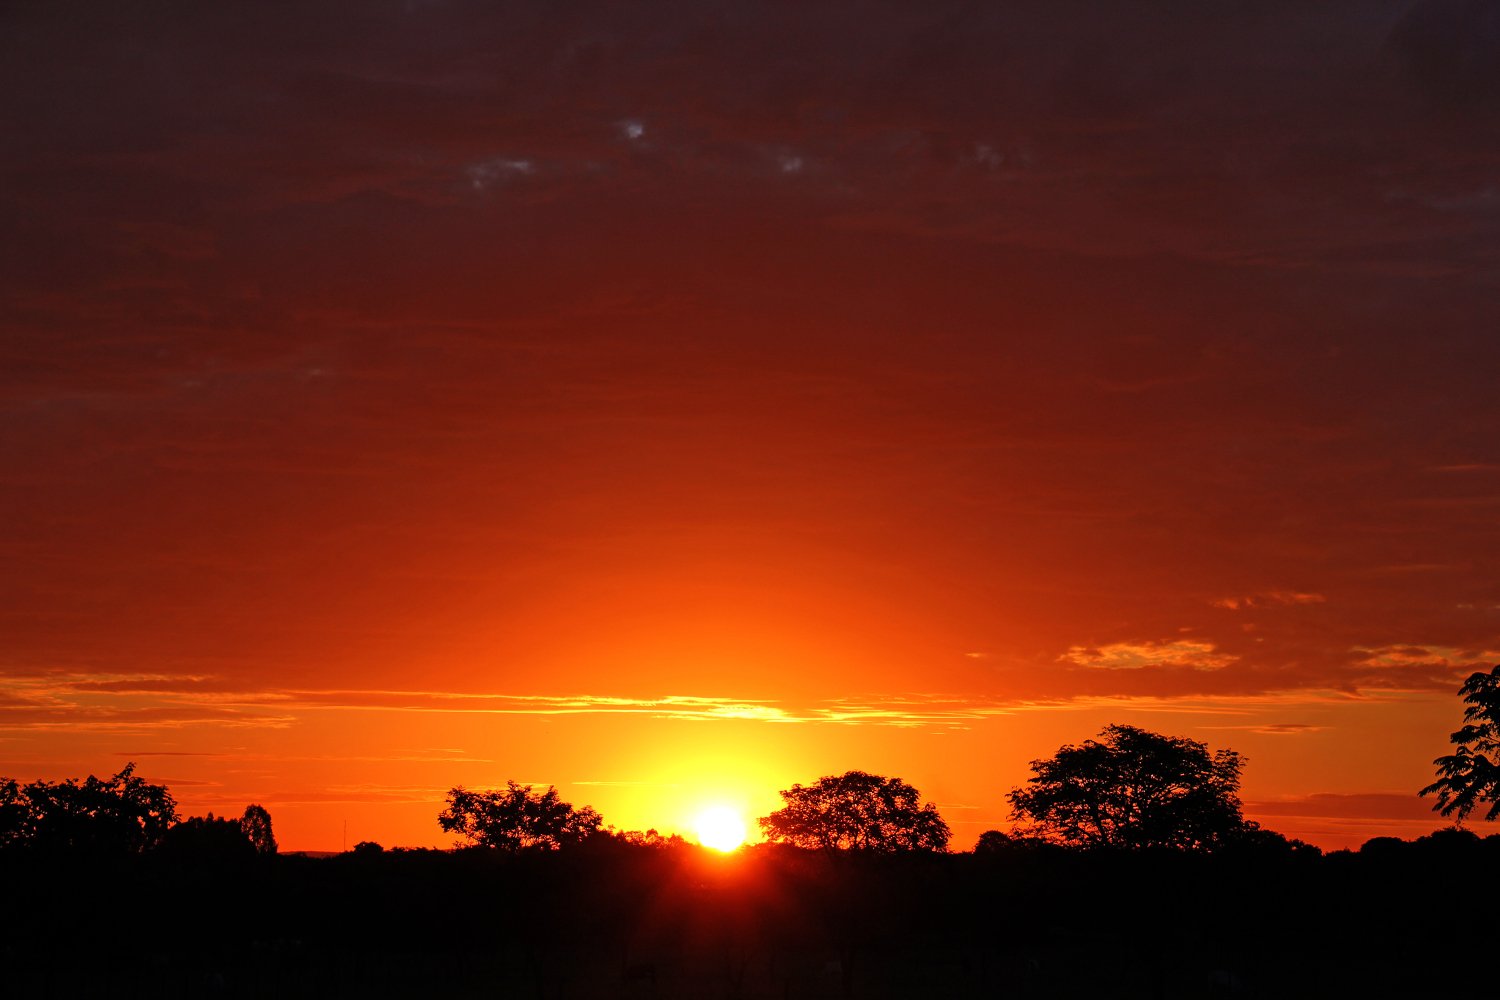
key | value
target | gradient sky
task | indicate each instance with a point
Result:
(675, 401)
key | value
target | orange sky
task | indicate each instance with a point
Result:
(674, 402)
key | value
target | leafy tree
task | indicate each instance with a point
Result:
(1134, 789)
(857, 811)
(257, 826)
(124, 813)
(997, 842)
(207, 839)
(650, 838)
(517, 818)
(14, 813)
(1471, 774)
(1252, 837)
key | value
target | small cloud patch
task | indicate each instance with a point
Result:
(1181, 654)
(491, 172)
(1269, 599)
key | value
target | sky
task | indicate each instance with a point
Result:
(676, 401)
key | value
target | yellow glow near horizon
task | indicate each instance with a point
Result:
(721, 828)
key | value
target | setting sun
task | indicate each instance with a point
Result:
(721, 828)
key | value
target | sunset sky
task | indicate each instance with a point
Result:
(676, 401)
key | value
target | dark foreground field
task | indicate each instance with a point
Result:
(1412, 920)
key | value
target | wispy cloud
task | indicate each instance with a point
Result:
(1189, 654)
(1417, 656)
(125, 702)
(1361, 805)
(129, 703)
(1274, 728)
(1268, 599)
(141, 703)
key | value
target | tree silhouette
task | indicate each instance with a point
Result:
(207, 839)
(1471, 774)
(996, 842)
(257, 826)
(857, 811)
(124, 813)
(517, 818)
(649, 838)
(1134, 789)
(15, 811)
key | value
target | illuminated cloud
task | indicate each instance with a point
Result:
(1413, 656)
(111, 704)
(1181, 654)
(1268, 599)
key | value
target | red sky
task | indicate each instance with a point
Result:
(676, 401)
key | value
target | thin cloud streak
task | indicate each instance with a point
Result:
(101, 703)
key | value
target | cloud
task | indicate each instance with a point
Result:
(1446, 658)
(391, 363)
(1274, 728)
(142, 703)
(1178, 654)
(132, 754)
(1358, 805)
(486, 173)
(128, 703)
(1269, 599)
(103, 703)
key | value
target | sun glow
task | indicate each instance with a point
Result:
(720, 828)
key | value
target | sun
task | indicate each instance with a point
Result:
(721, 828)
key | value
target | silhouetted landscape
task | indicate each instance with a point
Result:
(733, 500)
(615, 920)
(1130, 873)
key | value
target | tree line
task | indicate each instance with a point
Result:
(1129, 789)
(122, 814)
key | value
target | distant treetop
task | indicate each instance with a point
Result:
(517, 818)
(257, 826)
(857, 811)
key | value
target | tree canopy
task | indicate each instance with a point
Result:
(257, 826)
(516, 818)
(123, 813)
(1471, 774)
(857, 811)
(1134, 789)
(208, 839)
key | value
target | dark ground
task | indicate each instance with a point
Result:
(1410, 920)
